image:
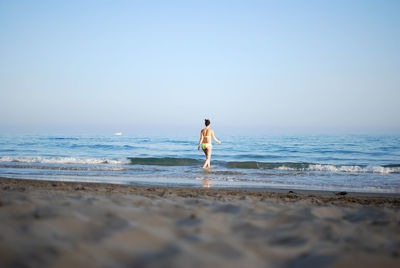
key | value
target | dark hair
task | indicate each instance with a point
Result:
(207, 122)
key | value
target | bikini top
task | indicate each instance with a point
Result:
(209, 136)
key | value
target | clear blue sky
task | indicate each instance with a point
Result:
(154, 65)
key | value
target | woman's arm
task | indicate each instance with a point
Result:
(201, 140)
(213, 136)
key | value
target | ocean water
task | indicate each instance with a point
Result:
(361, 163)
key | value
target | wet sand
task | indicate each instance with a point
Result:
(63, 224)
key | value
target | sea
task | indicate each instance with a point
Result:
(356, 163)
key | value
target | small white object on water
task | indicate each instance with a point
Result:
(118, 133)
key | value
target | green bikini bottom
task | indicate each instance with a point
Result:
(205, 145)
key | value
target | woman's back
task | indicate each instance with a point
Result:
(207, 134)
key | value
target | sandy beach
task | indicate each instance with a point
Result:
(64, 224)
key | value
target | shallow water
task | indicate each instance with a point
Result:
(363, 163)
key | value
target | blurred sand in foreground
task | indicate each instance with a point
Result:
(60, 224)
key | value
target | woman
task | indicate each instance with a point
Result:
(205, 142)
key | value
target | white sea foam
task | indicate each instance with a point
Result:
(355, 169)
(285, 168)
(62, 160)
(350, 169)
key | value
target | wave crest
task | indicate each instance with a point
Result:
(172, 161)
(314, 167)
(61, 160)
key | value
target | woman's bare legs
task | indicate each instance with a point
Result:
(207, 152)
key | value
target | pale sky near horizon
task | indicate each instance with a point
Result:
(250, 65)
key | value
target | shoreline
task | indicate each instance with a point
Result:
(324, 195)
(64, 224)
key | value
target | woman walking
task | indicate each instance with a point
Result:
(205, 142)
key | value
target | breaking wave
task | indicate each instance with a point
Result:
(284, 166)
(61, 160)
(172, 161)
(351, 169)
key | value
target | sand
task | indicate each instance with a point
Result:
(60, 224)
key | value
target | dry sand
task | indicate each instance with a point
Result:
(56, 224)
